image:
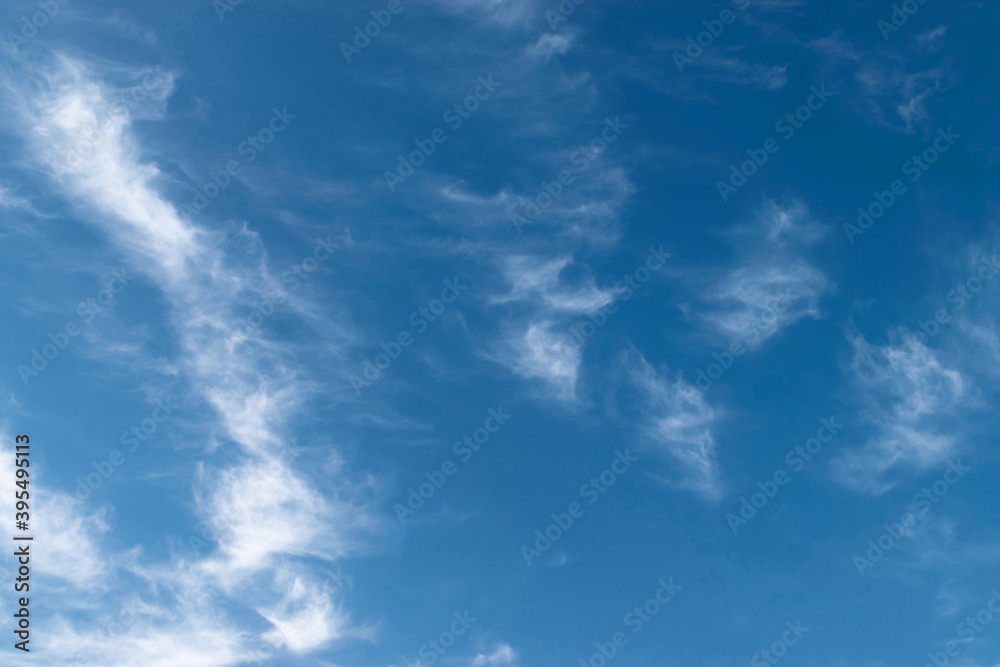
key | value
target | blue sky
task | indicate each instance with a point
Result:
(502, 332)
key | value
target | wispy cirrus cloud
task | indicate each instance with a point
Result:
(678, 421)
(253, 387)
(773, 284)
(508, 13)
(888, 85)
(502, 655)
(537, 344)
(540, 352)
(911, 396)
(538, 278)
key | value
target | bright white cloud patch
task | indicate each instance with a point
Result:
(542, 353)
(911, 394)
(307, 617)
(266, 510)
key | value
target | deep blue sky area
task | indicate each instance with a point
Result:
(501, 333)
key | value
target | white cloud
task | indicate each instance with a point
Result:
(537, 277)
(67, 535)
(773, 286)
(502, 654)
(206, 641)
(264, 509)
(892, 90)
(543, 354)
(268, 511)
(757, 302)
(910, 392)
(679, 421)
(588, 213)
(307, 617)
(658, 70)
(540, 345)
(549, 44)
(894, 80)
(11, 201)
(67, 541)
